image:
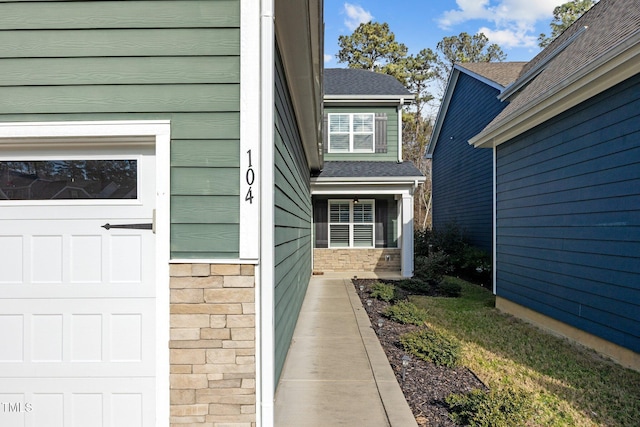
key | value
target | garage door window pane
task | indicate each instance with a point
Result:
(68, 179)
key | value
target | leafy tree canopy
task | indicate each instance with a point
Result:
(466, 48)
(418, 72)
(372, 46)
(563, 16)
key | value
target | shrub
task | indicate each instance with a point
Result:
(476, 265)
(449, 239)
(406, 312)
(421, 242)
(496, 408)
(475, 259)
(416, 286)
(450, 289)
(463, 259)
(383, 291)
(432, 346)
(431, 268)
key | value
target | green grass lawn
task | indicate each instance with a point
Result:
(570, 385)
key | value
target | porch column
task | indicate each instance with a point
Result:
(407, 235)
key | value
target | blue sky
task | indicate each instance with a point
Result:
(512, 24)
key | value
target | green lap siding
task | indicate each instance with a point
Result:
(119, 14)
(292, 218)
(140, 60)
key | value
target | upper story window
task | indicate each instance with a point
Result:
(352, 133)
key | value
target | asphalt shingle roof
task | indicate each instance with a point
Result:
(503, 73)
(368, 169)
(349, 81)
(609, 23)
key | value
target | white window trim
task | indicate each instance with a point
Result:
(351, 223)
(352, 150)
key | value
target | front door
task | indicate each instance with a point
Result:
(77, 287)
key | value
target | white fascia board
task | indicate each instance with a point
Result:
(362, 191)
(368, 99)
(366, 181)
(365, 188)
(612, 68)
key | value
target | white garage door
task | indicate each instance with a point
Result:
(77, 296)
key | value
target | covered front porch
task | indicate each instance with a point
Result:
(363, 217)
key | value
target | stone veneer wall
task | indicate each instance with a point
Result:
(356, 259)
(212, 347)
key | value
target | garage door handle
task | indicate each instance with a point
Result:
(148, 226)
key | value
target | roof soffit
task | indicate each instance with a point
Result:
(299, 30)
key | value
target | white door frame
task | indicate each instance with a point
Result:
(113, 133)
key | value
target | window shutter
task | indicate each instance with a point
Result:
(381, 132)
(325, 133)
(320, 219)
(381, 223)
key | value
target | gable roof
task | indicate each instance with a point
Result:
(349, 84)
(501, 73)
(495, 74)
(372, 170)
(600, 50)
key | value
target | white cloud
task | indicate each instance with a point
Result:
(355, 15)
(513, 21)
(328, 58)
(509, 38)
(467, 10)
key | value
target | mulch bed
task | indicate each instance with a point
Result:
(425, 385)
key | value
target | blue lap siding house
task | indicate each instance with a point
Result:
(567, 185)
(462, 177)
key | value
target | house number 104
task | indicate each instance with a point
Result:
(249, 177)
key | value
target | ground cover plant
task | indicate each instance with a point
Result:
(406, 313)
(497, 407)
(432, 346)
(383, 291)
(505, 365)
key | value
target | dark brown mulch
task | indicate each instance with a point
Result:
(425, 385)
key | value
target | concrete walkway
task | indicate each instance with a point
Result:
(336, 373)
